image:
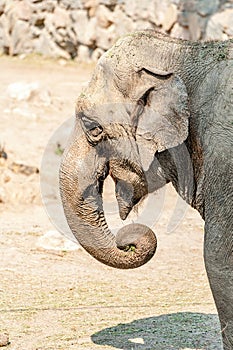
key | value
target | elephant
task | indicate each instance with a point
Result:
(173, 98)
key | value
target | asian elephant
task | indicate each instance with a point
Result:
(174, 98)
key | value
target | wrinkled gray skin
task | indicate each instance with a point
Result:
(175, 99)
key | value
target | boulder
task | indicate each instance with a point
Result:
(61, 18)
(207, 7)
(220, 25)
(194, 26)
(38, 19)
(49, 24)
(83, 54)
(71, 4)
(123, 23)
(5, 31)
(110, 2)
(104, 16)
(20, 38)
(139, 9)
(44, 6)
(180, 32)
(21, 90)
(162, 9)
(54, 240)
(170, 17)
(4, 337)
(19, 10)
(2, 6)
(97, 53)
(47, 47)
(90, 3)
(142, 24)
(84, 28)
(105, 38)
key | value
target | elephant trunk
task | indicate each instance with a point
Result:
(81, 194)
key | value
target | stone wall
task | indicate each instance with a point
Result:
(84, 29)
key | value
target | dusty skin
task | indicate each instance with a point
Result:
(65, 299)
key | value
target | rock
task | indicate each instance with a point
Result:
(69, 46)
(83, 54)
(33, 92)
(38, 19)
(19, 168)
(54, 240)
(49, 25)
(21, 10)
(58, 27)
(189, 6)
(24, 112)
(160, 10)
(170, 17)
(84, 28)
(92, 12)
(5, 31)
(207, 7)
(220, 25)
(185, 8)
(91, 3)
(61, 18)
(20, 38)
(97, 54)
(139, 9)
(104, 16)
(3, 199)
(44, 6)
(71, 35)
(105, 38)
(180, 32)
(2, 6)
(2, 49)
(110, 2)
(123, 24)
(4, 337)
(62, 62)
(47, 47)
(71, 4)
(42, 97)
(183, 18)
(194, 26)
(142, 24)
(22, 91)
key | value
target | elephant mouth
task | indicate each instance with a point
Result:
(130, 185)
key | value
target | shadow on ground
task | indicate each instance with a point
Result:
(184, 330)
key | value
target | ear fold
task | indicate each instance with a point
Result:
(147, 78)
(164, 121)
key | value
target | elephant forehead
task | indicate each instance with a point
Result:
(109, 113)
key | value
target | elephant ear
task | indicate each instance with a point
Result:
(164, 119)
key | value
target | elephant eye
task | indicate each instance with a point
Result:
(96, 131)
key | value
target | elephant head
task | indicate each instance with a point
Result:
(127, 106)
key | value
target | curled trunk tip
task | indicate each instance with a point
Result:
(135, 246)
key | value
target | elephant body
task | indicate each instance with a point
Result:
(173, 98)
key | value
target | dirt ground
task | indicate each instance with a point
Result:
(64, 299)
